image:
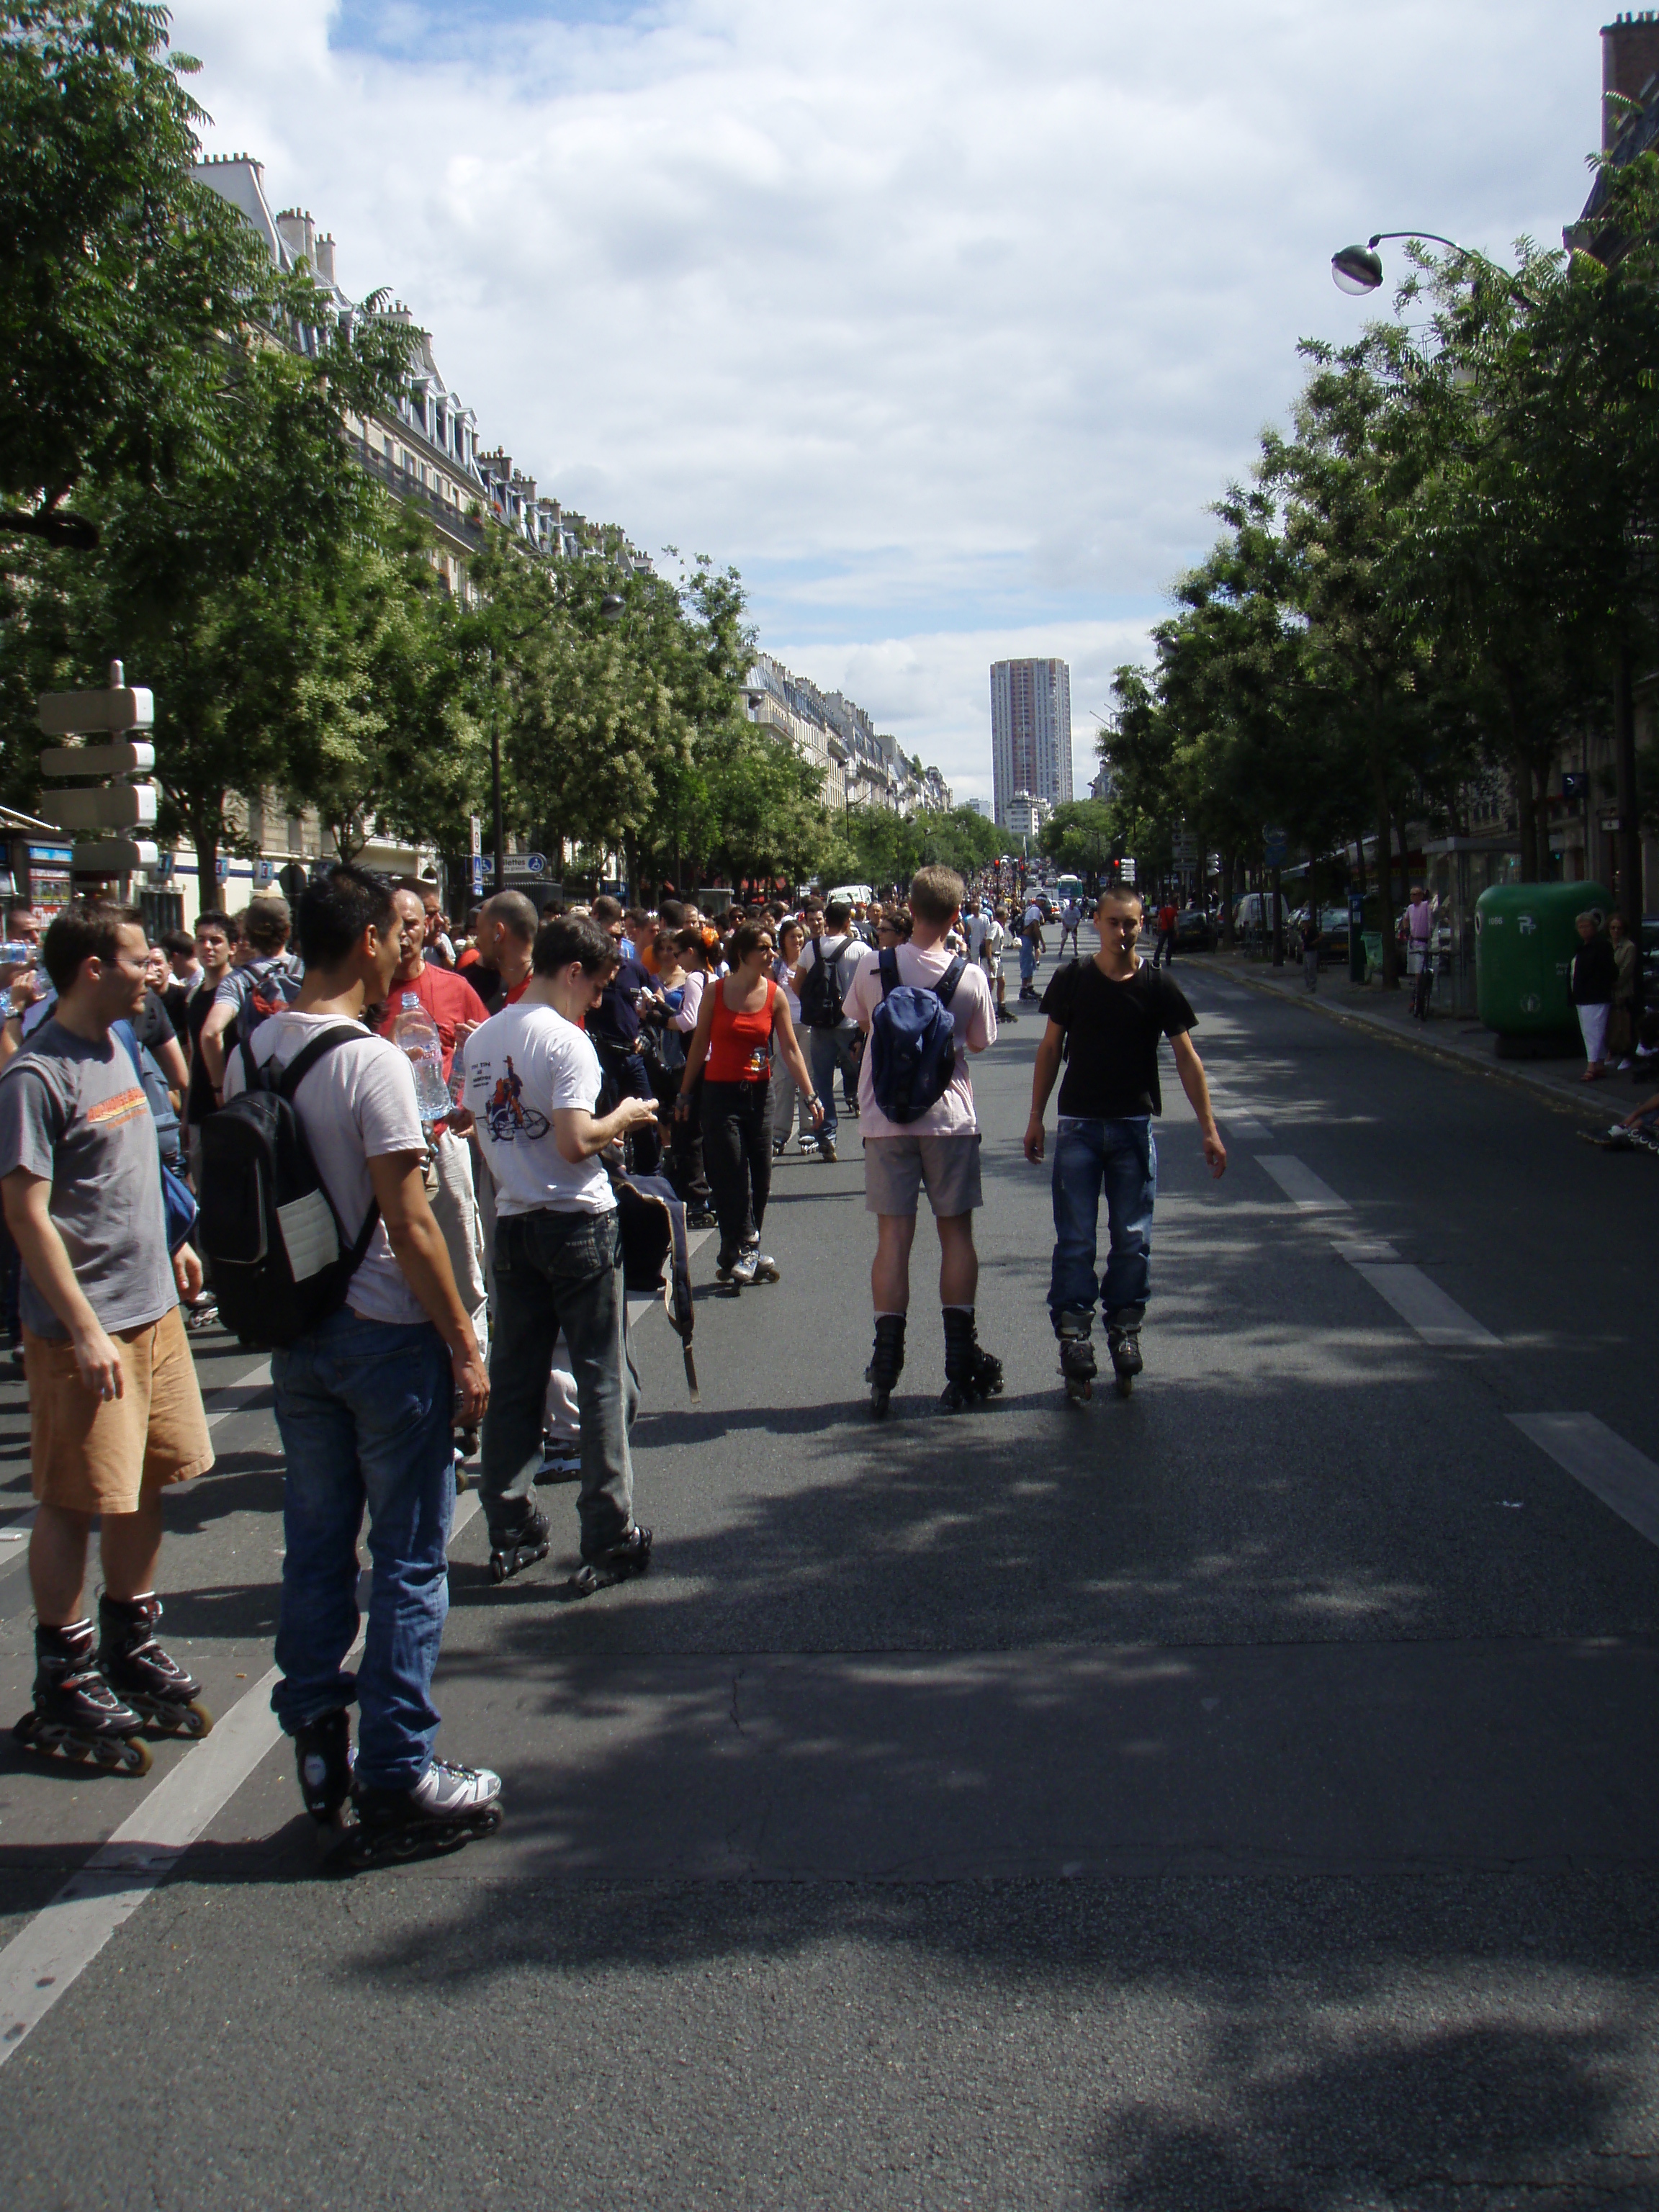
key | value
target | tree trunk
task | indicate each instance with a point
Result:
(1628, 846)
(205, 837)
(1385, 876)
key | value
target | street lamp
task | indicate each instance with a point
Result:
(613, 606)
(1359, 268)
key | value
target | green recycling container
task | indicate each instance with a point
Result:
(1525, 936)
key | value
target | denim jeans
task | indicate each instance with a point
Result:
(1120, 1157)
(553, 1272)
(826, 1051)
(364, 1407)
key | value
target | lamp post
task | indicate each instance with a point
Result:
(1359, 269)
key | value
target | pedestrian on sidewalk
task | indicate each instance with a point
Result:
(1168, 917)
(1031, 948)
(1070, 918)
(1310, 949)
(532, 1081)
(115, 1411)
(743, 1021)
(937, 1148)
(789, 1100)
(1105, 1017)
(1594, 975)
(823, 974)
(1419, 955)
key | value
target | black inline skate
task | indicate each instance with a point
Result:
(1074, 1328)
(1123, 1342)
(518, 1548)
(138, 1670)
(447, 1808)
(886, 1361)
(322, 1755)
(970, 1374)
(629, 1557)
(76, 1715)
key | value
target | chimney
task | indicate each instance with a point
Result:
(298, 233)
(1630, 62)
(325, 260)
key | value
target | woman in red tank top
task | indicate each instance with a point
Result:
(743, 1020)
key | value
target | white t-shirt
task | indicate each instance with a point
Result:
(975, 1021)
(525, 1065)
(356, 1105)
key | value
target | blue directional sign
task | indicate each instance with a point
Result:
(1275, 845)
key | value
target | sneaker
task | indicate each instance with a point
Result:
(806, 1144)
(445, 1792)
(763, 1268)
(742, 1271)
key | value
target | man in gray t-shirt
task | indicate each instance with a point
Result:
(115, 1412)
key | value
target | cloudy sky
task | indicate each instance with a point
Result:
(942, 320)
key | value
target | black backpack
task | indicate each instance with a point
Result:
(820, 989)
(280, 1262)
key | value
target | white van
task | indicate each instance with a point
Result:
(852, 893)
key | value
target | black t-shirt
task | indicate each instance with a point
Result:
(200, 1104)
(1112, 1031)
(151, 1024)
(616, 1016)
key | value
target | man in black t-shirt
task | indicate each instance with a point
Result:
(1107, 1015)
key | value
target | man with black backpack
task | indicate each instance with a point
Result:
(367, 1393)
(267, 979)
(829, 961)
(923, 1010)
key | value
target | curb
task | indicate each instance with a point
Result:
(1513, 1078)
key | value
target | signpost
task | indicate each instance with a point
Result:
(127, 800)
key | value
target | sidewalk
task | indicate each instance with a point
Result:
(1457, 1037)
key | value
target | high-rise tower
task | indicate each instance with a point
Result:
(1031, 732)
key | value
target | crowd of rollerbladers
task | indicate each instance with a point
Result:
(392, 1152)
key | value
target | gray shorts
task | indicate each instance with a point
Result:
(895, 1168)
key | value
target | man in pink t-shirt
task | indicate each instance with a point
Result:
(456, 1010)
(939, 1150)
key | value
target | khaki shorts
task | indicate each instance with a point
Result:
(895, 1168)
(99, 1456)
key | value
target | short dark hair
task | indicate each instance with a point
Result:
(567, 939)
(267, 923)
(213, 920)
(83, 930)
(838, 914)
(514, 913)
(177, 942)
(606, 908)
(671, 913)
(747, 936)
(337, 908)
(691, 940)
(1119, 895)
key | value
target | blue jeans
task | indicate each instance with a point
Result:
(364, 1410)
(826, 1051)
(557, 1271)
(1122, 1157)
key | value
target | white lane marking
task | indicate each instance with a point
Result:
(1244, 1127)
(64, 1937)
(1596, 1455)
(1300, 1184)
(237, 1397)
(1424, 1306)
(1363, 1248)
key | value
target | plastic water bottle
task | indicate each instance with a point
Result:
(415, 1036)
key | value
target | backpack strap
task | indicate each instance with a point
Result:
(887, 962)
(945, 989)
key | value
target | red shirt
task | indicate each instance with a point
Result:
(447, 997)
(1166, 917)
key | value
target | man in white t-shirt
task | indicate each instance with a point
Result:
(532, 1081)
(939, 1149)
(1071, 917)
(366, 1403)
(831, 1039)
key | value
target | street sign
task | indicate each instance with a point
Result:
(115, 856)
(1612, 824)
(105, 806)
(477, 875)
(477, 827)
(1274, 844)
(78, 713)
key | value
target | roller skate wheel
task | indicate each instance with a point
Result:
(1126, 1383)
(122, 1754)
(196, 1720)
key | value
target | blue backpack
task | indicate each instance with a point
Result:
(912, 1041)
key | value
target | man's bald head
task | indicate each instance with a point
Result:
(513, 912)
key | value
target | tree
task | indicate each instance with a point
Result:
(118, 272)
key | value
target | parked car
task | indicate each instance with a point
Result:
(1195, 931)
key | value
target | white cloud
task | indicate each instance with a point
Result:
(943, 322)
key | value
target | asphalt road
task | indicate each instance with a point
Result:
(1244, 1795)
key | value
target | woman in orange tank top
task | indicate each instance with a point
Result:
(743, 1020)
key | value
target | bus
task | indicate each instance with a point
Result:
(1070, 887)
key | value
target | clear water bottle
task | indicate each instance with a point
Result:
(415, 1036)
